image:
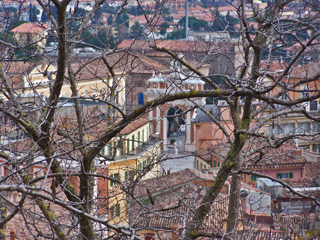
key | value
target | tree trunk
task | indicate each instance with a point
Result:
(234, 203)
(3, 214)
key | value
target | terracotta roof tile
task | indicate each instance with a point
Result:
(121, 63)
(313, 169)
(18, 67)
(172, 179)
(30, 28)
(174, 217)
(134, 125)
(307, 70)
(300, 182)
(174, 45)
(286, 154)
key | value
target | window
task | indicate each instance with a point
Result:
(303, 128)
(2, 171)
(129, 174)
(314, 105)
(285, 175)
(285, 96)
(128, 146)
(288, 128)
(307, 147)
(140, 98)
(274, 129)
(115, 176)
(253, 177)
(115, 210)
(305, 91)
(4, 119)
(316, 148)
(316, 127)
(117, 146)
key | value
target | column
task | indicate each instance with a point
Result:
(158, 120)
(188, 128)
(165, 131)
(194, 134)
(151, 120)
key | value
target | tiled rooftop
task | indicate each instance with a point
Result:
(30, 28)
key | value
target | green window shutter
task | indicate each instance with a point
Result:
(214, 163)
(254, 177)
(122, 147)
(290, 175)
(139, 138)
(118, 209)
(102, 151)
(110, 149)
(142, 135)
(126, 175)
(132, 142)
(111, 182)
(279, 175)
(128, 146)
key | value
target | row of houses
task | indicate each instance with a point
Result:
(134, 156)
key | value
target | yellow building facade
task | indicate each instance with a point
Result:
(134, 156)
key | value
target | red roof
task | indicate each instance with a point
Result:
(174, 45)
(30, 28)
(134, 125)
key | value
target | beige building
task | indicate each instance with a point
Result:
(133, 155)
(35, 33)
(93, 80)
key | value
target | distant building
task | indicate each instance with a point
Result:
(35, 33)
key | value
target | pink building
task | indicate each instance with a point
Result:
(286, 162)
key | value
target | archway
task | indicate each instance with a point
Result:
(176, 123)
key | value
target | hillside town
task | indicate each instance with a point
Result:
(159, 119)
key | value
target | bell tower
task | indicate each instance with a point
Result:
(173, 119)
